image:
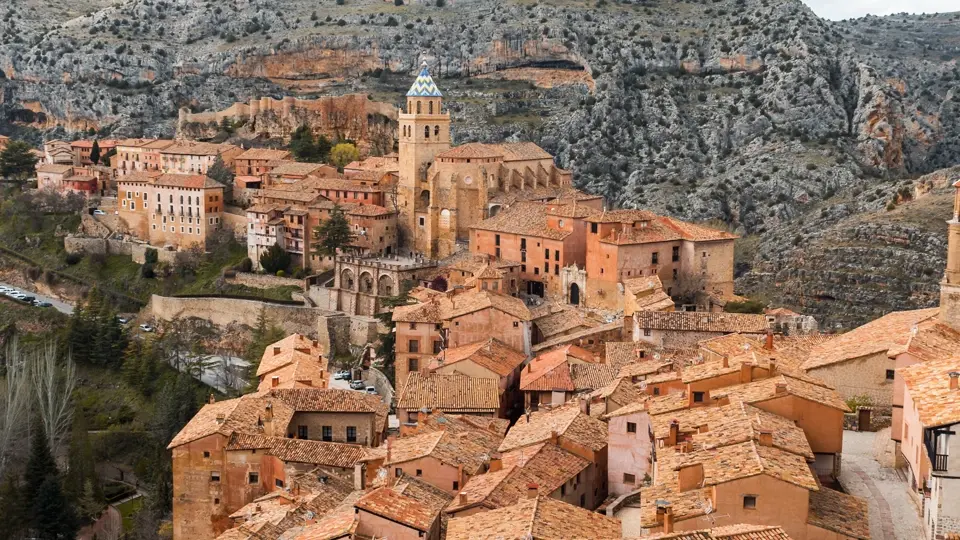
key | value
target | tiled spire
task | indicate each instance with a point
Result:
(424, 85)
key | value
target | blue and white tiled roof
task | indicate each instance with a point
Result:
(424, 85)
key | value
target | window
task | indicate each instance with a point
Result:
(631, 427)
(214, 476)
(647, 332)
(516, 324)
(656, 390)
(676, 253)
(413, 364)
(421, 221)
(419, 472)
(496, 240)
(675, 274)
(556, 255)
(750, 502)
(698, 397)
(327, 433)
(413, 326)
(593, 228)
(436, 346)
(436, 131)
(302, 432)
(216, 500)
(398, 472)
(890, 374)
(456, 485)
(583, 500)
(206, 454)
(546, 254)
(253, 478)
(655, 258)
(563, 490)
(413, 346)
(629, 478)
(704, 255)
(426, 132)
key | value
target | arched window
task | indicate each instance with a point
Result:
(426, 132)
(418, 107)
(436, 131)
(430, 107)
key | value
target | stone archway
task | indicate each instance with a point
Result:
(347, 280)
(366, 282)
(385, 286)
(575, 294)
(425, 198)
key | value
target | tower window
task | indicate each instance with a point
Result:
(430, 107)
(418, 107)
(426, 132)
(436, 131)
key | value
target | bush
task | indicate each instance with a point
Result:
(147, 272)
(749, 306)
(229, 273)
(398, 2)
(441, 3)
(891, 206)
(300, 273)
(281, 273)
(73, 258)
(150, 257)
(245, 265)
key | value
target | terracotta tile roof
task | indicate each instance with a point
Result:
(728, 532)
(933, 340)
(196, 148)
(702, 321)
(455, 304)
(300, 451)
(522, 151)
(539, 518)
(274, 193)
(431, 497)
(264, 153)
(316, 183)
(479, 490)
(567, 421)
(674, 401)
(337, 524)
(524, 218)
(839, 512)
(453, 393)
(54, 169)
(191, 181)
(570, 209)
(622, 353)
(368, 210)
(491, 354)
(331, 400)
(736, 461)
(375, 163)
(731, 344)
(272, 362)
(625, 391)
(628, 216)
(472, 151)
(233, 415)
(892, 331)
(562, 321)
(578, 335)
(929, 387)
(295, 168)
(139, 177)
(450, 448)
(685, 504)
(644, 368)
(589, 377)
(486, 431)
(661, 378)
(762, 390)
(387, 503)
(159, 144)
(547, 372)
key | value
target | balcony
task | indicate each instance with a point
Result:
(939, 463)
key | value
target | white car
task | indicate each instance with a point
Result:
(146, 328)
(371, 390)
(99, 212)
(4, 289)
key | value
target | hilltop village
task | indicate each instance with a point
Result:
(558, 368)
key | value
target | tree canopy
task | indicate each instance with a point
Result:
(17, 160)
(275, 258)
(220, 172)
(333, 234)
(305, 147)
(342, 154)
(95, 153)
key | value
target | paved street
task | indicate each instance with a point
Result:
(893, 513)
(59, 305)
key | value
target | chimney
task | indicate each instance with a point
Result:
(553, 437)
(768, 343)
(766, 437)
(773, 367)
(955, 380)
(746, 372)
(276, 351)
(212, 399)
(726, 361)
(275, 381)
(781, 388)
(460, 476)
(258, 508)
(530, 367)
(389, 448)
(316, 343)
(674, 433)
(220, 418)
(462, 498)
(532, 490)
(703, 428)
(496, 462)
(690, 476)
(665, 513)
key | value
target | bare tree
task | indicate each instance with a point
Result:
(16, 404)
(54, 383)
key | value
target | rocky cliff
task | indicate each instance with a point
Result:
(753, 112)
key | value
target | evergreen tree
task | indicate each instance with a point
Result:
(53, 515)
(40, 464)
(274, 258)
(342, 154)
(17, 160)
(322, 148)
(81, 476)
(302, 145)
(12, 509)
(95, 153)
(264, 334)
(333, 234)
(220, 172)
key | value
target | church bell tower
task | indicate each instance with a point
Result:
(424, 133)
(950, 286)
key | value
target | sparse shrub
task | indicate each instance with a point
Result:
(281, 273)
(73, 258)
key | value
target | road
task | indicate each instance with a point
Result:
(60, 305)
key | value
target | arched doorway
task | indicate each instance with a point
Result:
(575, 294)
(346, 279)
(425, 198)
(366, 282)
(385, 286)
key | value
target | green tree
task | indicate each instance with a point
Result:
(81, 480)
(95, 153)
(333, 234)
(53, 515)
(386, 345)
(302, 145)
(322, 148)
(17, 160)
(264, 334)
(220, 172)
(342, 154)
(274, 258)
(13, 509)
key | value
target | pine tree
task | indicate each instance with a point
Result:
(53, 515)
(274, 258)
(333, 234)
(220, 172)
(81, 475)
(12, 509)
(302, 145)
(40, 464)
(95, 153)
(322, 148)
(17, 160)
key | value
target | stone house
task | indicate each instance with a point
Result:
(453, 394)
(171, 210)
(536, 517)
(619, 392)
(441, 459)
(292, 172)
(930, 445)
(255, 163)
(138, 155)
(293, 362)
(681, 329)
(193, 157)
(455, 318)
(82, 149)
(629, 448)
(57, 152)
(66, 179)
(562, 322)
(489, 359)
(333, 415)
(624, 244)
(554, 377)
(401, 511)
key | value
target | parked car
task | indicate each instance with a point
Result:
(342, 375)
(4, 289)
(371, 389)
(123, 320)
(41, 303)
(147, 328)
(28, 298)
(357, 385)
(12, 293)
(99, 212)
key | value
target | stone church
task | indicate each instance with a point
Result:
(443, 190)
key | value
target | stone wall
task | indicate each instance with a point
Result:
(89, 246)
(223, 311)
(264, 281)
(236, 223)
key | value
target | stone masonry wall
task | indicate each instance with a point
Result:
(223, 311)
(264, 281)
